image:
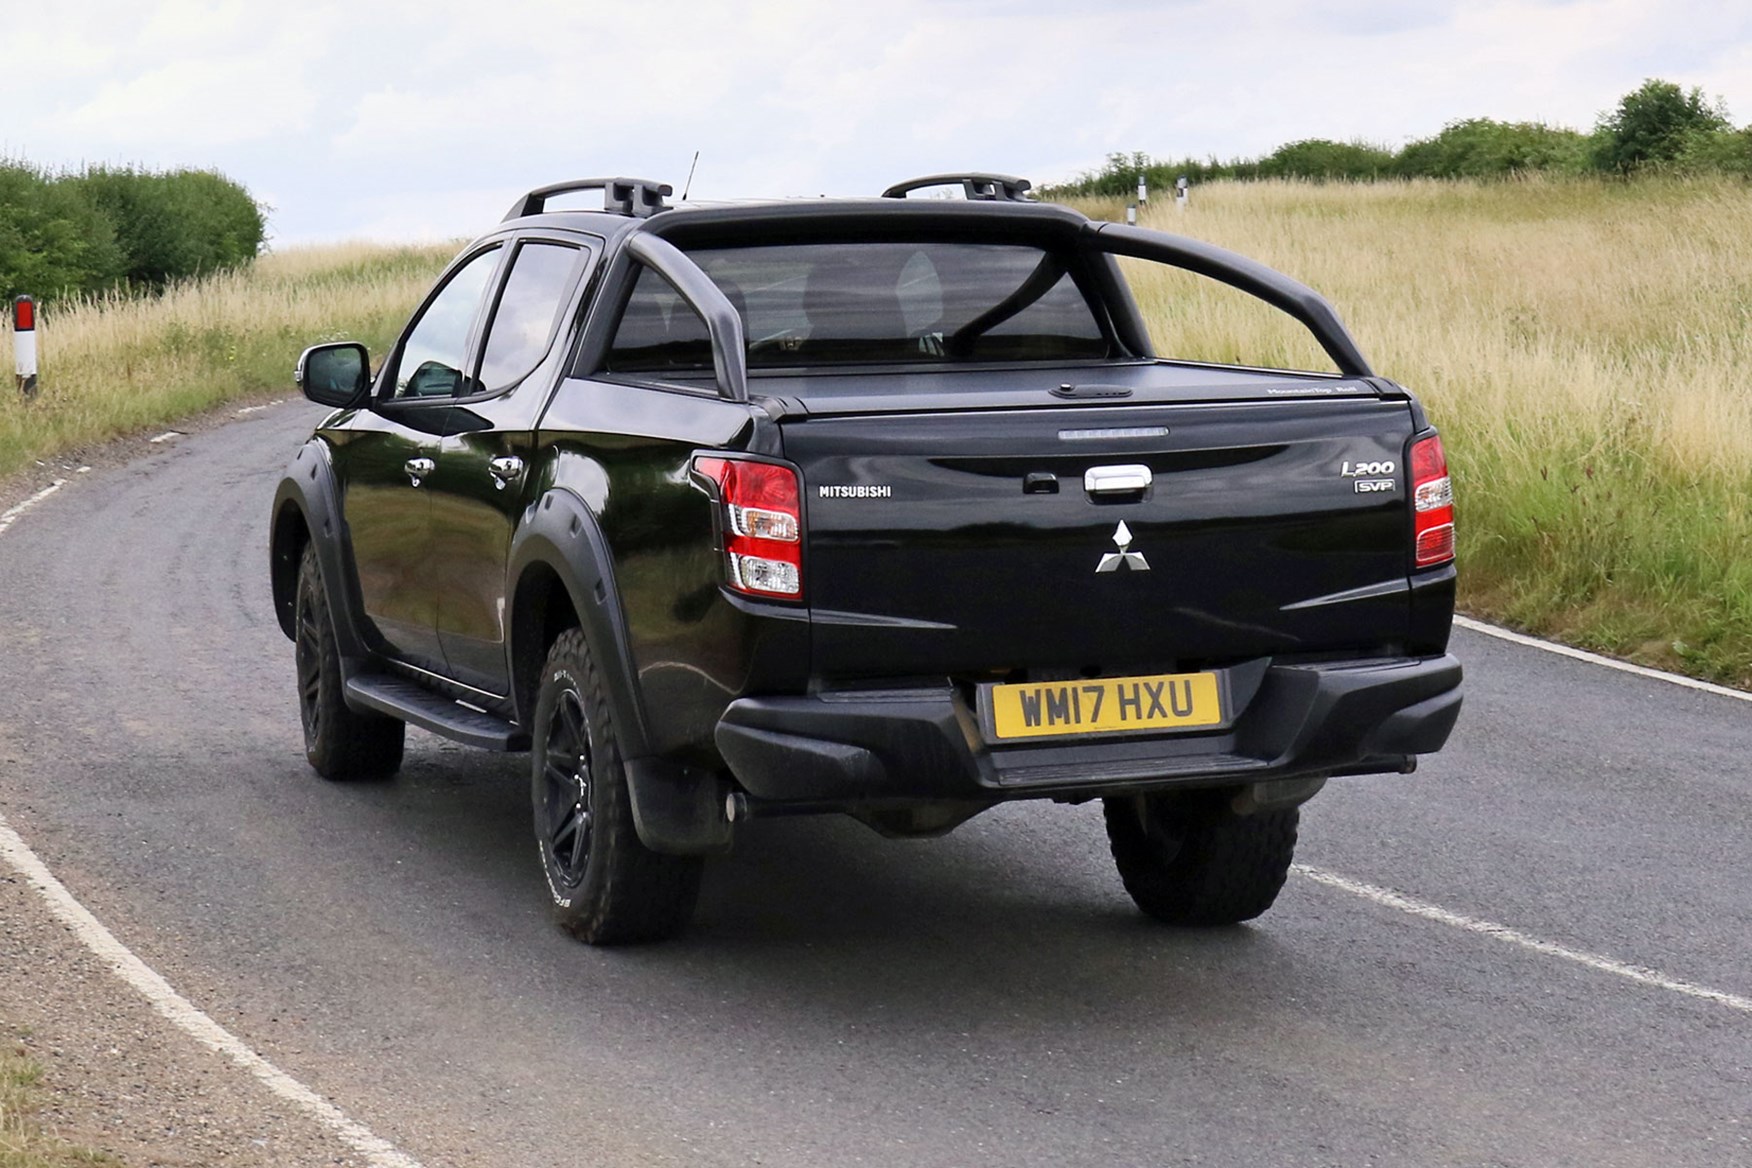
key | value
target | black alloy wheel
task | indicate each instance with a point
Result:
(339, 742)
(606, 886)
(563, 817)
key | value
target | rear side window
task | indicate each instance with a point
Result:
(870, 303)
(523, 323)
(659, 331)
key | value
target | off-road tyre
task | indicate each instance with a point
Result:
(341, 743)
(1189, 859)
(606, 886)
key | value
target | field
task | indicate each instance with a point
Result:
(1582, 344)
(1584, 348)
(116, 366)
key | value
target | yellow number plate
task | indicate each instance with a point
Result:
(1105, 705)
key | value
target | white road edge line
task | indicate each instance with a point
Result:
(1723, 691)
(12, 513)
(379, 1153)
(1431, 912)
(182, 1013)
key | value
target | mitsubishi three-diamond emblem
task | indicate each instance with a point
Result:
(1124, 557)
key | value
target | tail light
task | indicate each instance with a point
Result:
(1432, 502)
(763, 525)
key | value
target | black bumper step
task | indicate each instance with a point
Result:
(421, 707)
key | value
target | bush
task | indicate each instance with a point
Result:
(1652, 126)
(177, 224)
(1485, 148)
(1321, 158)
(1118, 179)
(1718, 152)
(1658, 124)
(53, 242)
(78, 235)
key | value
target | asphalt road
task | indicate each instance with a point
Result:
(989, 998)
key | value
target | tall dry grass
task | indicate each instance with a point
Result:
(116, 365)
(1586, 349)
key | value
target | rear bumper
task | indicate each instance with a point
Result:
(850, 748)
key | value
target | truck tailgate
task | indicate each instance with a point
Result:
(967, 542)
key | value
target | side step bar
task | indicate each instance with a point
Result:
(420, 707)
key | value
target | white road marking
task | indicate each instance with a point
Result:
(257, 409)
(166, 436)
(379, 1153)
(182, 1013)
(12, 513)
(1431, 912)
(1595, 659)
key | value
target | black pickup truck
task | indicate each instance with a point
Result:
(886, 507)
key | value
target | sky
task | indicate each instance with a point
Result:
(394, 120)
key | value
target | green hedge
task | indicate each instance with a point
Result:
(87, 233)
(1657, 126)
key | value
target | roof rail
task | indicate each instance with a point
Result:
(640, 198)
(1006, 188)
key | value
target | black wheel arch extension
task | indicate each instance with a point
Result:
(561, 572)
(559, 554)
(307, 510)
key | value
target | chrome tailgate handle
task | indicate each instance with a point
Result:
(1117, 480)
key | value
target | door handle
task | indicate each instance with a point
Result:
(418, 468)
(1117, 480)
(504, 470)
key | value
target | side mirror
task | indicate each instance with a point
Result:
(337, 374)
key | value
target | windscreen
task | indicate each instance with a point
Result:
(869, 303)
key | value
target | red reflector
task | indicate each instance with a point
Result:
(1432, 502)
(762, 485)
(762, 524)
(23, 314)
(1435, 546)
(1428, 460)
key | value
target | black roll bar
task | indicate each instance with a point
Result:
(729, 354)
(1237, 271)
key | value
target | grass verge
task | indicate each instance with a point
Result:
(23, 1143)
(1582, 345)
(116, 366)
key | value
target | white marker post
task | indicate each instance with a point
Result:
(1131, 214)
(1181, 186)
(1143, 191)
(24, 344)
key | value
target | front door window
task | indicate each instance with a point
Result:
(431, 363)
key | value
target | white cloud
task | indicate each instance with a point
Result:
(365, 115)
(193, 105)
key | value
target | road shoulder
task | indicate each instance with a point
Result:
(118, 1076)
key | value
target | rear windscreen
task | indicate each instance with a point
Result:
(869, 303)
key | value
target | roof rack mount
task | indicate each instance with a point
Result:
(1004, 188)
(639, 198)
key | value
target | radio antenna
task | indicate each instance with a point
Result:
(690, 173)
